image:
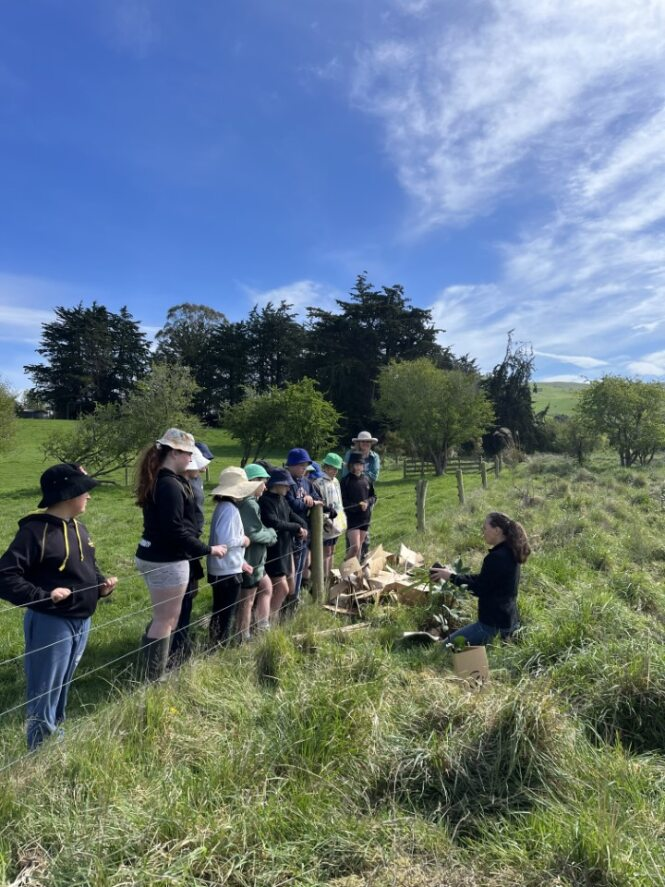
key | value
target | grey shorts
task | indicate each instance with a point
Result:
(162, 576)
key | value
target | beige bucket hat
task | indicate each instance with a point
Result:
(365, 436)
(177, 440)
(233, 483)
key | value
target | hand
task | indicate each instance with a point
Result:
(363, 506)
(60, 594)
(438, 574)
(247, 568)
(245, 541)
(107, 587)
(302, 533)
(309, 502)
(218, 550)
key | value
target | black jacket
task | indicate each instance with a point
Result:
(355, 490)
(170, 522)
(495, 587)
(278, 514)
(49, 552)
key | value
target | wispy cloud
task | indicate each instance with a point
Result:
(301, 294)
(567, 100)
(650, 365)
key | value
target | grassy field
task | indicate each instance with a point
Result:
(344, 760)
(560, 396)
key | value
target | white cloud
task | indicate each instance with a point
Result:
(584, 363)
(565, 377)
(650, 365)
(301, 294)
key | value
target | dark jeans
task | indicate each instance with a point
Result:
(49, 672)
(478, 634)
(225, 593)
(300, 550)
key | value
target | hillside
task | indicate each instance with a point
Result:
(343, 760)
(560, 396)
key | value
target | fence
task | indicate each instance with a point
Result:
(421, 467)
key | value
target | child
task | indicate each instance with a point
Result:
(256, 586)
(181, 645)
(225, 573)
(358, 498)
(301, 496)
(335, 522)
(50, 570)
(278, 514)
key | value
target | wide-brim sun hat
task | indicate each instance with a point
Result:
(198, 461)
(365, 436)
(177, 440)
(234, 484)
(280, 476)
(333, 460)
(64, 481)
(256, 472)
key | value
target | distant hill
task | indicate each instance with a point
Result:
(561, 396)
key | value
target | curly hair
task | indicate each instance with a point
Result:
(515, 534)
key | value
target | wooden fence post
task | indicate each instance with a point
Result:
(497, 467)
(460, 486)
(483, 475)
(316, 547)
(421, 498)
(126, 477)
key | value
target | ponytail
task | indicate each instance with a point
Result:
(515, 534)
(150, 461)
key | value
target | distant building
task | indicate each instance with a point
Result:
(35, 414)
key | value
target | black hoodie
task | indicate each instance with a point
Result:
(49, 552)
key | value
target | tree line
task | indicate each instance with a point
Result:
(373, 361)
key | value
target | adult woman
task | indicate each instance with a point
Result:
(169, 540)
(497, 583)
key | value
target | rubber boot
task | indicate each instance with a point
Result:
(153, 658)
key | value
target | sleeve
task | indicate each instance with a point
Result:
(296, 505)
(272, 518)
(254, 528)
(482, 583)
(170, 508)
(372, 495)
(375, 468)
(15, 566)
(224, 530)
(297, 522)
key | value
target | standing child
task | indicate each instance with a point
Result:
(302, 495)
(335, 522)
(225, 573)
(256, 586)
(50, 570)
(278, 514)
(358, 498)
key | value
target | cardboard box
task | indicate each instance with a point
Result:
(471, 665)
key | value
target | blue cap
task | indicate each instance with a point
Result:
(297, 455)
(280, 476)
(314, 471)
(204, 450)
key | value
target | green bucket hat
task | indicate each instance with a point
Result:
(334, 460)
(256, 472)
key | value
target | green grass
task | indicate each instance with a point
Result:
(345, 760)
(560, 396)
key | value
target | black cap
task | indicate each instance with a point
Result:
(62, 482)
(356, 457)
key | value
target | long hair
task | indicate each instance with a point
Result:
(515, 535)
(150, 461)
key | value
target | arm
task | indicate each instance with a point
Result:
(15, 566)
(224, 529)
(254, 528)
(374, 467)
(492, 573)
(270, 514)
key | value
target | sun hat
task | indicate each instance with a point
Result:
(198, 461)
(280, 476)
(333, 459)
(62, 482)
(356, 457)
(364, 436)
(234, 484)
(297, 456)
(256, 472)
(204, 450)
(313, 471)
(177, 440)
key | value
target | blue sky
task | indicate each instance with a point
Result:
(504, 161)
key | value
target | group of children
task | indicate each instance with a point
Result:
(257, 555)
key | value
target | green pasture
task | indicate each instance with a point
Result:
(561, 397)
(345, 760)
